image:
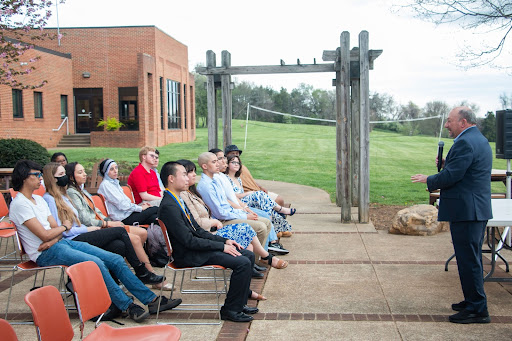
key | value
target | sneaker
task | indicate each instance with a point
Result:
(277, 248)
(137, 313)
(466, 317)
(166, 304)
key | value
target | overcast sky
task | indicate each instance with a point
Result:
(418, 63)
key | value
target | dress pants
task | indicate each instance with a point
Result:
(241, 276)
(112, 239)
(146, 217)
(467, 237)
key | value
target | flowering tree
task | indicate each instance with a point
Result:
(21, 25)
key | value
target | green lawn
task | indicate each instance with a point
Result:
(306, 154)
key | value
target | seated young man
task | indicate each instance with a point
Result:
(193, 246)
(247, 179)
(143, 180)
(42, 239)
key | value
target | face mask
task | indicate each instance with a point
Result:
(62, 181)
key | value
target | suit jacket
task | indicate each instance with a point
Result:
(465, 181)
(191, 245)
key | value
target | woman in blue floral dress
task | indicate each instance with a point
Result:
(259, 199)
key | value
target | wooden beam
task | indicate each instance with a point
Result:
(355, 143)
(343, 129)
(227, 107)
(330, 55)
(210, 98)
(364, 130)
(265, 69)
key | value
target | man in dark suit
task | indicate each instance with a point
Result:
(193, 246)
(465, 201)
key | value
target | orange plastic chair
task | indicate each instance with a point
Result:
(50, 316)
(7, 332)
(40, 191)
(177, 269)
(100, 204)
(129, 193)
(32, 266)
(92, 299)
(7, 229)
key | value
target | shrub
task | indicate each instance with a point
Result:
(13, 150)
(111, 124)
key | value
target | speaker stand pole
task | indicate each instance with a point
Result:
(508, 182)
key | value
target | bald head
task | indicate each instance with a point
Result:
(204, 158)
(459, 119)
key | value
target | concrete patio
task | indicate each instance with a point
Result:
(344, 282)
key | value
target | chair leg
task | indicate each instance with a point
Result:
(10, 292)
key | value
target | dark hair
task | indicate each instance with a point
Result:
(20, 172)
(215, 150)
(169, 168)
(56, 155)
(239, 171)
(189, 167)
(70, 172)
(101, 167)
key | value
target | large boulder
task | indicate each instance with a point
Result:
(418, 220)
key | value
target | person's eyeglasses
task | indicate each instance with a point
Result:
(37, 174)
(235, 162)
(222, 158)
(154, 156)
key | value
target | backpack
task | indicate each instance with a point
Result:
(156, 247)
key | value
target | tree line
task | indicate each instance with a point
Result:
(319, 103)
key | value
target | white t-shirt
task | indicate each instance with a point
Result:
(223, 181)
(21, 210)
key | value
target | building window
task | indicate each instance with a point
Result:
(38, 104)
(173, 105)
(162, 103)
(63, 106)
(185, 104)
(128, 113)
(17, 103)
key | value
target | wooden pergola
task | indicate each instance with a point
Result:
(352, 112)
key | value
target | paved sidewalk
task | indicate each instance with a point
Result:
(344, 282)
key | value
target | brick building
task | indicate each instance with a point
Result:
(138, 75)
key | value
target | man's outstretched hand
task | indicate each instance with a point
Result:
(419, 178)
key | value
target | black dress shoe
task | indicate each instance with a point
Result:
(250, 310)
(151, 278)
(235, 316)
(260, 268)
(466, 317)
(256, 274)
(459, 306)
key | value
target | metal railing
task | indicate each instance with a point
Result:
(67, 125)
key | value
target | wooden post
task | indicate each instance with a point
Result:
(355, 120)
(343, 128)
(364, 135)
(210, 95)
(227, 107)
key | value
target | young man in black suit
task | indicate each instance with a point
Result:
(193, 246)
(465, 201)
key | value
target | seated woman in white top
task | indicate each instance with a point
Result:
(119, 206)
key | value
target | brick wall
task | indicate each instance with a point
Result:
(57, 71)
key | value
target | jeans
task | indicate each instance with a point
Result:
(69, 252)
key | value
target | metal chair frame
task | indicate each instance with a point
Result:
(193, 306)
